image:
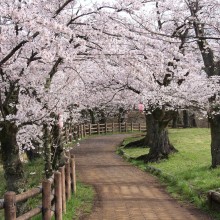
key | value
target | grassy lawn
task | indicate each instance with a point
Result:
(187, 172)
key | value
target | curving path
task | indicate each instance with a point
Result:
(123, 191)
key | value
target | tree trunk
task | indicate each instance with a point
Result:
(57, 147)
(175, 120)
(121, 115)
(13, 167)
(186, 123)
(160, 144)
(150, 125)
(14, 173)
(193, 123)
(158, 140)
(157, 136)
(92, 116)
(215, 140)
(103, 118)
(47, 151)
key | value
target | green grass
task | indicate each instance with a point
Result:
(187, 172)
(79, 205)
(33, 174)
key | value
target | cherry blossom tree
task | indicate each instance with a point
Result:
(195, 23)
(40, 44)
(162, 66)
(203, 20)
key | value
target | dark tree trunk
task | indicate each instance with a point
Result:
(150, 125)
(103, 118)
(160, 144)
(215, 140)
(57, 149)
(186, 123)
(121, 115)
(14, 173)
(175, 120)
(47, 151)
(158, 139)
(92, 116)
(193, 123)
(157, 136)
(13, 168)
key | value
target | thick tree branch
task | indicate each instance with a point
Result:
(61, 8)
(55, 67)
(15, 49)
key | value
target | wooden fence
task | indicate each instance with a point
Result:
(55, 192)
(58, 189)
(82, 130)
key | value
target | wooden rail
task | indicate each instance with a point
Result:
(82, 130)
(55, 192)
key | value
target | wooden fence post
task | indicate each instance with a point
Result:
(58, 196)
(139, 126)
(113, 127)
(73, 132)
(73, 176)
(84, 130)
(131, 126)
(74, 138)
(78, 130)
(79, 134)
(98, 128)
(67, 178)
(90, 129)
(46, 203)
(106, 128)
(76, 133)
(62, 171)
(10, 205)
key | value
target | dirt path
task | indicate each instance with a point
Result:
(123, 191)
